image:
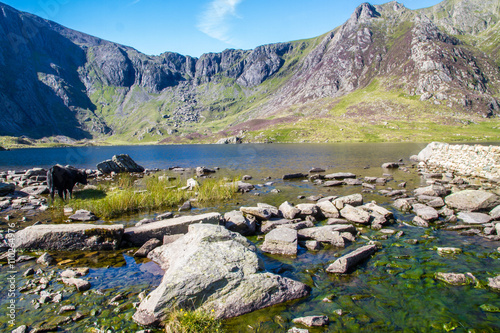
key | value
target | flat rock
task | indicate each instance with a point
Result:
(315, 170)
(237, 222)
(281, 241)
(328, 209)
(355, 214)
(6, 188)
(274, 223)
(331, 183)
(474, 218)
(347, 262)
(472, 200)
(425, 212)
(179, 225)
(312, 321)
(215, 270)
(327, 234)
(431, 190)
(294, 176)
(83, 216)
(353, 200)
(308, 209)
(453, 278)
(390, 165)
(70, 237)
(258, 212)
(275, 212)
(147, 247)
(420, 222)
(80, 284)
(340, 175)
(36, 190)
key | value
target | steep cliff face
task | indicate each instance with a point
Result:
(57, 81)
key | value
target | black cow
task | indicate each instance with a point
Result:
(63, 179)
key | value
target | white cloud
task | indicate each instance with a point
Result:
(215, 20)
(134, 2)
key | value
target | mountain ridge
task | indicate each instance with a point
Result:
(97, 89)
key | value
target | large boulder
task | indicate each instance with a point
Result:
(216, 270)
(141, 234)
(119, 163)
(472, 200)
(69, 237)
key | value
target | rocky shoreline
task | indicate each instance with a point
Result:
(187, 247)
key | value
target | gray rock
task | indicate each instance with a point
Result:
(294, 176)
(316, 170)
(244, 187)
(495, 213)
(453, 278)
(340, 175)
(229, 140)
(297, 330)
(472, 200)
(275, 212)
(30, 271)
(431, 190)
(328, 209)
(312, 321)
(355, 214)
(425, 212)
(212, 268)
(288, 210)
(353, 182)
(347, 262)
(164, 216)
(70, 237)
(327, 234)
(36, 190)
(308, 209)
(237, 222)
(402, 205)
(119, 163)
(313, 245)
(185, 206)
(274, 223)
(494, 283)
(331, 183)
(21, 329)
(353, 200)
(497, 228)
(390, 165)
(6, 188)
(203, 171)
(474, 218)
(83, 216)
(147, 247)
(420, 222)
(46, 260)
(258, 212)
(179, 225)
(80, 284)
(281, 241)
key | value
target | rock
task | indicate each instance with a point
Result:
(147, 247)
(328, 209)
(340, 175)
(297, 330)
(313, 245)
(288, 210)
(119, 163)
(237, 222)
(202, 171)
(258, 212)
(432, 190)
(453, 278)
(164, 216)
(353, 200)
(167, 239)
(316, 170)
(474, 218)
(185, 206)
(30, 271)
(71, 273)
(347, 262)
(70, 237)
(327, 234)
(6, 188)
(312, 321)
(307, 209)
(472, 200)
(293, 176)
(448, 250)
(494, 283)
(355, 214)
(390, 165)
(229, 140)
(36, 190)
(495, 213)
(83, 216)
(67, 308)
(376, 209)
(46, 260)
(21, 329)
(281, 241)
(420, 222)
(332, 183)
(212, 268)
(244, 187)
(275, 212)
(402, 205)
(191, 184)
(80, 284)
(179, 225)
(144, 221)
(425, 212)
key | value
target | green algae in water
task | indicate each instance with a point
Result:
(489, 308)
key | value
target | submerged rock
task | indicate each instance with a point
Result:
(453, 278)
(494, 283)
(474, 218)
(218, 271)
(347, 262)
(83, 216)
(312, 321)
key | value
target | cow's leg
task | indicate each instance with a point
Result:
(60, 192)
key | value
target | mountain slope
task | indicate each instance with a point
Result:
(386, 63)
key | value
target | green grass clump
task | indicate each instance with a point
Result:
(198, 321)
(130, 195)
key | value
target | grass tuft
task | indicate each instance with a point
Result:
(197, 321)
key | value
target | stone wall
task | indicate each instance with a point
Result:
(465, 160)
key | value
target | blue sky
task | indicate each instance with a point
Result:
(194, 27)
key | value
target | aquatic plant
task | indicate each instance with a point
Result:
(197, 321)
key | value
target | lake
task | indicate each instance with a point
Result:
(393, 291)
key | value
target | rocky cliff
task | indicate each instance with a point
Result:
(57, 81)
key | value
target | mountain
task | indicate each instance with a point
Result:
(387, 73)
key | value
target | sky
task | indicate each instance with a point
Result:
(194, 27)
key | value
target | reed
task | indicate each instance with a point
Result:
(197, 321)
(130, 195)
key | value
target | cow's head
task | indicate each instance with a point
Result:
(81, 177)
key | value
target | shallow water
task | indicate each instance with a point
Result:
(393, 291)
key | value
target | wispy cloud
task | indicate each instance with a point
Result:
(134, 2)
(215, 20)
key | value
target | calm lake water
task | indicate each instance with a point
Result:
(393, 291)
